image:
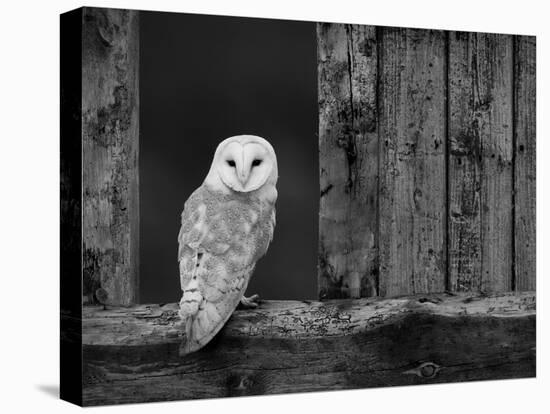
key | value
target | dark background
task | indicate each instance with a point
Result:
(206, 78)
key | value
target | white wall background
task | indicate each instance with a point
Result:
(29, 203)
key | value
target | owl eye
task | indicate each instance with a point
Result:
(255, 163)
(231, 163)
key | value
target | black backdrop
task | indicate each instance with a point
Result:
(203, 79)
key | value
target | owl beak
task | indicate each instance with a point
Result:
(243, 178)
(242, 172)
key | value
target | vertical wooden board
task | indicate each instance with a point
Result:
(525, 162)
(110, 135)
(412, 161)
(348, 157)
(492, 78)
(464, 166)
(480, 162)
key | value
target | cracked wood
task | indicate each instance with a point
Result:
(110, 140)
(412, 161)
(464, 197)
(309, 346)
(481, 162)
(427, 154)
(348, 161)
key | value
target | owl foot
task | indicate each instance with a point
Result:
(250, 303)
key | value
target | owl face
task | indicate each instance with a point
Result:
(243, 163)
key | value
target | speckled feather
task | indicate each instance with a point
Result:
(222, 237)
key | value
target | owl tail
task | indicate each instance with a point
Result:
(189, 308)
(186, 346)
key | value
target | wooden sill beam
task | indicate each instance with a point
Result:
(131, 354)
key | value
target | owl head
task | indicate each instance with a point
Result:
(243, 163)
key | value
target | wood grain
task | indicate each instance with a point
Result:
(480, 162)
(110, 140)
(412, 161)
(494, 99)
(439, 212)
(348, 161)
(131, 355)
(525, 127)
(464, 166)
(491, 61)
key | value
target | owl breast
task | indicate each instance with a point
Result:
(221, 239)
(239, 222)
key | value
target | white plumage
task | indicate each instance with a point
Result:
(226, 226)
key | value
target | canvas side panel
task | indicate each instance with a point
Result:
(348, 158)
(71, 207)
(525, 127)
(110, 130)
(412, 106)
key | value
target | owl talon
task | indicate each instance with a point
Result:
(251, 302)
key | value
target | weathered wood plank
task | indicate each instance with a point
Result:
(464, 167)
(110, 139)
(480, 162)
(525, 127)
(348, 161)
(492, 77)
(412, 161)
(494, 100)
(131, 355)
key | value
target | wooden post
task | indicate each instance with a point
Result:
(291, 346)
(110, 142)
(412, 161)
(525, 93)
(348, 161)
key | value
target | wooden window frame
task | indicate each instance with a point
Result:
(454, 329)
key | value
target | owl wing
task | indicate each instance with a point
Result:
(217, 256)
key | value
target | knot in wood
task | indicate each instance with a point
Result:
(102, 296)
(245, 383)
(425, 370)
(428, 370)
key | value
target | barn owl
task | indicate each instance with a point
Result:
(226, 226)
